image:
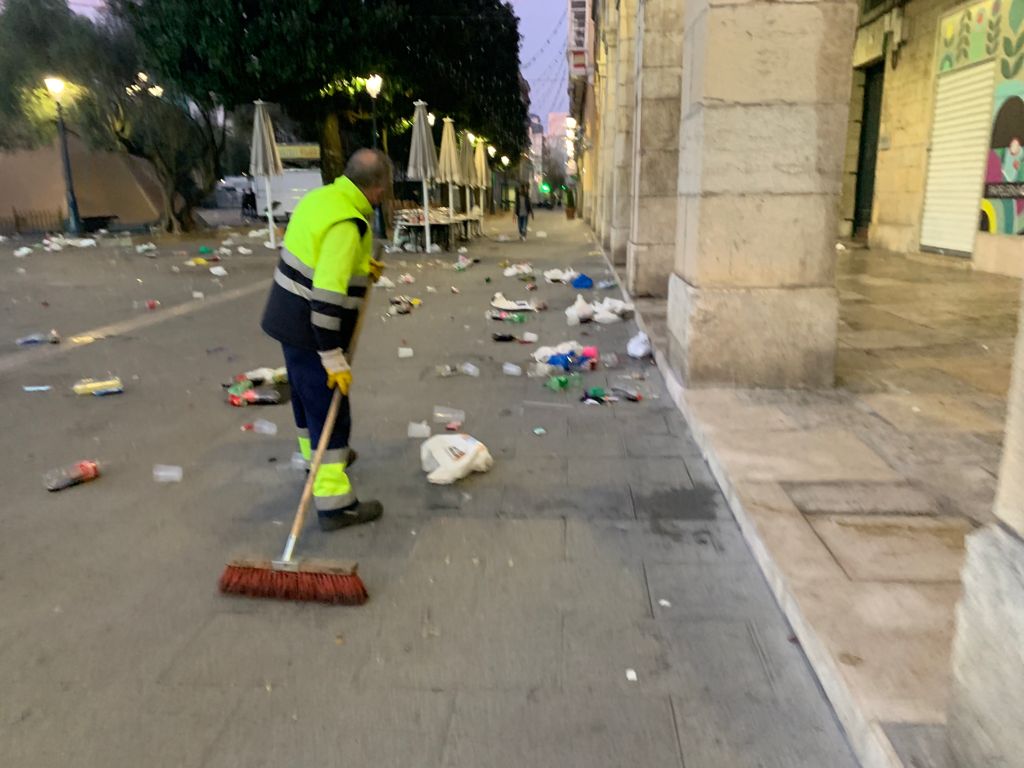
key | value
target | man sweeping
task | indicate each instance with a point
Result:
(319, 290)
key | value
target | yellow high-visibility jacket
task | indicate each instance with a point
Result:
(321, 278)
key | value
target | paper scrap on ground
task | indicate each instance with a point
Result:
(639, 346)
(218, 271)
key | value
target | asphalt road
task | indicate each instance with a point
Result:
(509, 614)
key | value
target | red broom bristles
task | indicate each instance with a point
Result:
(311, 585)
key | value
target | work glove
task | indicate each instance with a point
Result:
(376, 269)
(338, 372)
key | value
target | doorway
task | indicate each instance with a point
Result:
(867, 156)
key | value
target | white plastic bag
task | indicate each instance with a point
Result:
(447, 458)
(639, 346)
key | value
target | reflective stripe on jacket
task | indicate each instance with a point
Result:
(322, 275)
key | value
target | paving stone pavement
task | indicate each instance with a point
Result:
(508, 612)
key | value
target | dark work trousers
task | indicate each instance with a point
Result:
(311, 399)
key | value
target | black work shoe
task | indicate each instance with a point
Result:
(363, 512)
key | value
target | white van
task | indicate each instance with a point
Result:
(286, 190)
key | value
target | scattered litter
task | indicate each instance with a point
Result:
(511, 369)
(404, 352)
(257, 233)
(145, 248)
(298, 461)
(224, 251)
(85, 339)
(463, 249)
(504, 337)
(22, 252)
(261, 427)
(228, 241)
(447, 458)
(218, 271)
(840, 247)
(639, 346)
(431, 289)
(37, 388)
(462, 263)
(98, 387)
(75, 474)
(561, 383)
(515, 270)
(512, 317)
(664, 603)
(204, 250)
(597, 396)
(604, 285)
(503, 238)
(196, 261)
(915, 409)
(498, 301)
(152, 304)
(529, 338)
(198, 295)
(582, 282)
(560, 275)
(418, 430)
(470, 370)
(541, 235)
(407, 279)
(455, 290)
(444, 414)
(385, 282)
(254, 396)
(167, 473)
(35, 339)
(631, 675)
(531, 286)
(568, 356)
(539, 431)
(610, 361)
(244, 251)
(579, 312)
(453, 426)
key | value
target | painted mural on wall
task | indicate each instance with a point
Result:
(1002, 209)
(994, 30)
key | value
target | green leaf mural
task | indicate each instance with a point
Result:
(1016, 14)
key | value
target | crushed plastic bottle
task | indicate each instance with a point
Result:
(167, 473)
(511, 369)
(39, 338)
(74, 474)
(261, 427)
(470, 370)
(444, 414)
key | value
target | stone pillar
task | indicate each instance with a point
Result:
(650, 251)
(766, 92)
(605, 151)
(625, 107)
(986, 724)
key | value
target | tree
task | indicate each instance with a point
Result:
(309, 55)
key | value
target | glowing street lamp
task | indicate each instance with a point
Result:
(56, 88)
(491, 151)
(431, 119)
(373, 85)
(505, 161)
(471, 137)
(156, 91)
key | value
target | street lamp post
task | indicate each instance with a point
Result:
(56, 87)
(373, 85)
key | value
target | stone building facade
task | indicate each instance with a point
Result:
(723, 146)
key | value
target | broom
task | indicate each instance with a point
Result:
(315, 580)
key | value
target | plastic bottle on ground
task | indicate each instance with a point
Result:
(470, 370)
(511, 369)
(261, 426)
(418, 429)
(444, 414)
(74, 474)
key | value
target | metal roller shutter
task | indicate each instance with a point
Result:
(956, 160)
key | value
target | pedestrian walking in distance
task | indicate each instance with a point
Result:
(524, 210)
(319, 289)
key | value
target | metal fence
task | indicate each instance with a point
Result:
(31, 222)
